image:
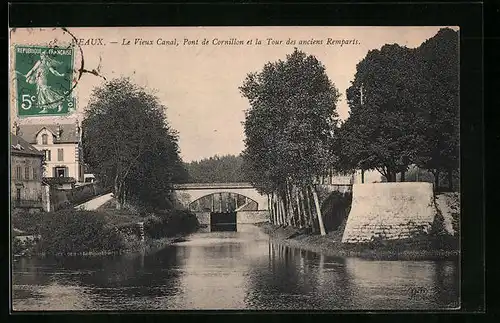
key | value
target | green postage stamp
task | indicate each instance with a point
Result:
(44, 80)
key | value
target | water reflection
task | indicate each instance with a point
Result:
(231, 270)
(298, 279)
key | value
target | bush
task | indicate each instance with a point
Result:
(27, 222)
(17, 246)
(169, 223)
(70, 231)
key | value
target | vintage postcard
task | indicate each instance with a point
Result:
(235, 168)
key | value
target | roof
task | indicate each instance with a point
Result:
(59, 180)
(68, 134)
(20, 146)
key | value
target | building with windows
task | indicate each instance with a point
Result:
(61, 145)
(25, 175)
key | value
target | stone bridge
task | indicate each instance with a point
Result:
(243, 194)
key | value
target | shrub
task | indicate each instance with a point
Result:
(169, 223)
(70, 231)
(27, 222)
(17, 246)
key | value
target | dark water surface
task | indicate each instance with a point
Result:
(232, 270)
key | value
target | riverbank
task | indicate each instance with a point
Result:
(104, 231)
(331, 245)
(147, 246)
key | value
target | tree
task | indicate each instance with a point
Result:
(439, 60)
(404, 110)
(127, 139)
(160, 167)
(217, 169)
(289, 129)
(384, 131)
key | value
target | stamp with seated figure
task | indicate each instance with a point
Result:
(44, 78)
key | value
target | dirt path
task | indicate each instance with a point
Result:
(95, 203)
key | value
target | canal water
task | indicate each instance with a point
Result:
(231, 270)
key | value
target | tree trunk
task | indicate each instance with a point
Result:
(276, 210)
(391, 176)
(436, 180)
(304, 209)
(311, 210)
(116, 192)
(269, 208)
(119, 196)
(299, 210)
(273, 211)
(283, 212)
(283, 209)
(362, 176)
(302, 206)
(450, 180)
(288, 209)
(281, 205)
(318, 212)
(124, 200)
(403, 176)
(293, 211)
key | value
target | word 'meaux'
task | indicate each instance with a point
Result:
(88, 41)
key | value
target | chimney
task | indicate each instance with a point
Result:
(16, 128)
(77, 126)
(58, 132)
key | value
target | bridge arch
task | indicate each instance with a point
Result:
(223, 201)
(186, 194)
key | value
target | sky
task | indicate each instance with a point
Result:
(198, 83)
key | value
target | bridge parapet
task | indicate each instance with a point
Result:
(191, 186)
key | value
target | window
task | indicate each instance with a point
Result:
(44, 139)
(19, 174)
(60, 171)
(35, 173)
(18, 194)
(60, 154)
(26, 173)
(47, 154)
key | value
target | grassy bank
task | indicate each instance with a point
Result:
(423, 248)
(103, 231)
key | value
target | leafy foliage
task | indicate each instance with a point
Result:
(404, 109)
(289, 124)
(27, 222)
(129, 144)
(69, 231)
(439, 59)
(170, 223)
(217, 169)
(289, 130)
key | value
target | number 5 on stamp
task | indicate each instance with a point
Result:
(44, 81)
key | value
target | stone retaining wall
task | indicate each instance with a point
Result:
(252, 216)
(389, 211)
